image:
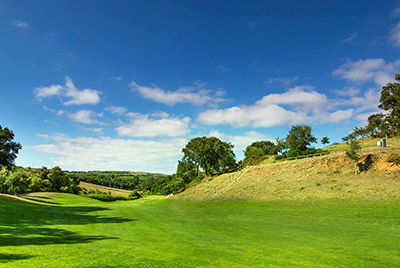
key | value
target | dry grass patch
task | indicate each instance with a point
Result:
(326, 177)
(111, 191)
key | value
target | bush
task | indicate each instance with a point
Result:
(134, 195)
(102, 196)
(279, 157)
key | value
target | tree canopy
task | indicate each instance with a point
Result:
(300, 137)
(325, 140)
(260, 148)
(8, 148)
(208, 153)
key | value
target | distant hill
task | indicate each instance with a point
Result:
(325, 177)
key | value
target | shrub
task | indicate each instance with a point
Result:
(134, 195)
(102, 196)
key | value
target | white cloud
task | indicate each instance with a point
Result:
(302, 105)
(85, 96)
(76, 96)
(143, 126)
(350, 38)
(254, 116)
(20, 24)
(338, 116)
(283, 81)
(377, 70)
(116, 110)
(87, 153)
(302, 97)
(85, 117)
(117, 78)
(394, 36)
(240, 142)
(97, 130)
(197, 95)
(43, 92)
(347, 91)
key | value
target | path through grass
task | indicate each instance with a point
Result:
(62, 230)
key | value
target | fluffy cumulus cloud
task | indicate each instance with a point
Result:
(376, 70)
(239, 141)
(145, 126)
(73, 95)
(197, 94)
(297, 105)
(347, 91)
(116, 110)
(87, 153)
(85, 117)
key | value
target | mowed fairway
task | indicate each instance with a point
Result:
(62, 230)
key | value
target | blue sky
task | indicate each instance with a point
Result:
(124, 85)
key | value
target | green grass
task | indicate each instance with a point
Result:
(62, 230)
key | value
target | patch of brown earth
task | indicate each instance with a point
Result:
(382, 165)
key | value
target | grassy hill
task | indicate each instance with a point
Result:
(112, 191)
(325, 177)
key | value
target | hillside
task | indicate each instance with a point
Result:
(325, 177)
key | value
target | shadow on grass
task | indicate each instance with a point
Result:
(23, 223)
(43, 236)
(13, 257)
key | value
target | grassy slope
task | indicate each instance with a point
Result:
(62, 230)
(326, 177)
(112, 191)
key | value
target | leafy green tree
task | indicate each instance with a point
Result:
(353, 153)
(325, 140)
(208, 153)
(390, 97)
(8, 148)
(17, 183)
(281, 145)
(260, 148)
(300, 137)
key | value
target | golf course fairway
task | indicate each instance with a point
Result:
(64, 230)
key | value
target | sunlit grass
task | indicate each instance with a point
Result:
(62, 230)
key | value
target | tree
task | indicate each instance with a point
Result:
(390, 102)
(300, 137)
(208, 153)
(260, 148)
(325, 140)
(8, 148)
(353, 153)
(281, 145)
